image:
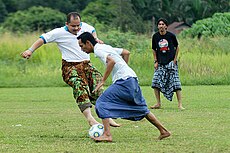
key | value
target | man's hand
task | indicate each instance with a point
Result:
(26, 54)
(175, 61)
(98, 86)
(99, 41)
(156, 65)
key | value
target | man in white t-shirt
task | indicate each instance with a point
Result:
(123, 99)
(77, 71)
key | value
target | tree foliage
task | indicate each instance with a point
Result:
(118, 14)
(100, 10)
(187, 11)
(127, 15)
(33, 19)
(64, 6)
(3, 11)
(217, 25)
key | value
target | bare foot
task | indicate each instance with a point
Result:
(181, 107)
(103, 138)
(113, 123)
(164, 135)
(156, 106)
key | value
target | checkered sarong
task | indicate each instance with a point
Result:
(166, 79)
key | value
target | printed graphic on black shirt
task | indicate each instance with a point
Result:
(163, 44)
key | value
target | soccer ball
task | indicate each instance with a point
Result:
(96, 130)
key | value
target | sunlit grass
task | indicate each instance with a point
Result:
(48, 120)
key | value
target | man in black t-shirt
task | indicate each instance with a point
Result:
(165, 52)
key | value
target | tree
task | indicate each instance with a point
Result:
(126, 17)
(217, 25)
(188, 11)
(33, 19)
(101, 10)
(11, 5)
(3, 11)
(119, 14)
(64, 6)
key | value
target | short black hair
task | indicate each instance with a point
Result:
(87, 36)
(74, 15)
(163, 20)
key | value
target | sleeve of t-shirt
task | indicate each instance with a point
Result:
(49, 36)
(89, 28)
(154, 46)
(118, 50)
(174, 40)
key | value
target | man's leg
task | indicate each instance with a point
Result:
(95, 78)
(113, 123)
(157, 95)
(91, 120)
(80, 93)
(179, 97)
(164, 133)
(107, 136)
(74, 76)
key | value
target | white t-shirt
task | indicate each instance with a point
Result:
(68, 43)
(120, 70)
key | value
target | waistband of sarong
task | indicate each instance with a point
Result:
(64, 62)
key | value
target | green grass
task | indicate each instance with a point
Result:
(48, 120)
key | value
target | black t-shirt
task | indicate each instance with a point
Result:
(165, 47)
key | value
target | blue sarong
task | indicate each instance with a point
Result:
(166, 79)
(123, 99)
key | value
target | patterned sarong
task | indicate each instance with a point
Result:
(83, 78)
(166, 79)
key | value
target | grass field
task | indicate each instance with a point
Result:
(47, 120)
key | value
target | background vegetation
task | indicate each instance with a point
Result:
(204, 48)
(33, 19)
(201, 62)
(135, 15)
(217, 25)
